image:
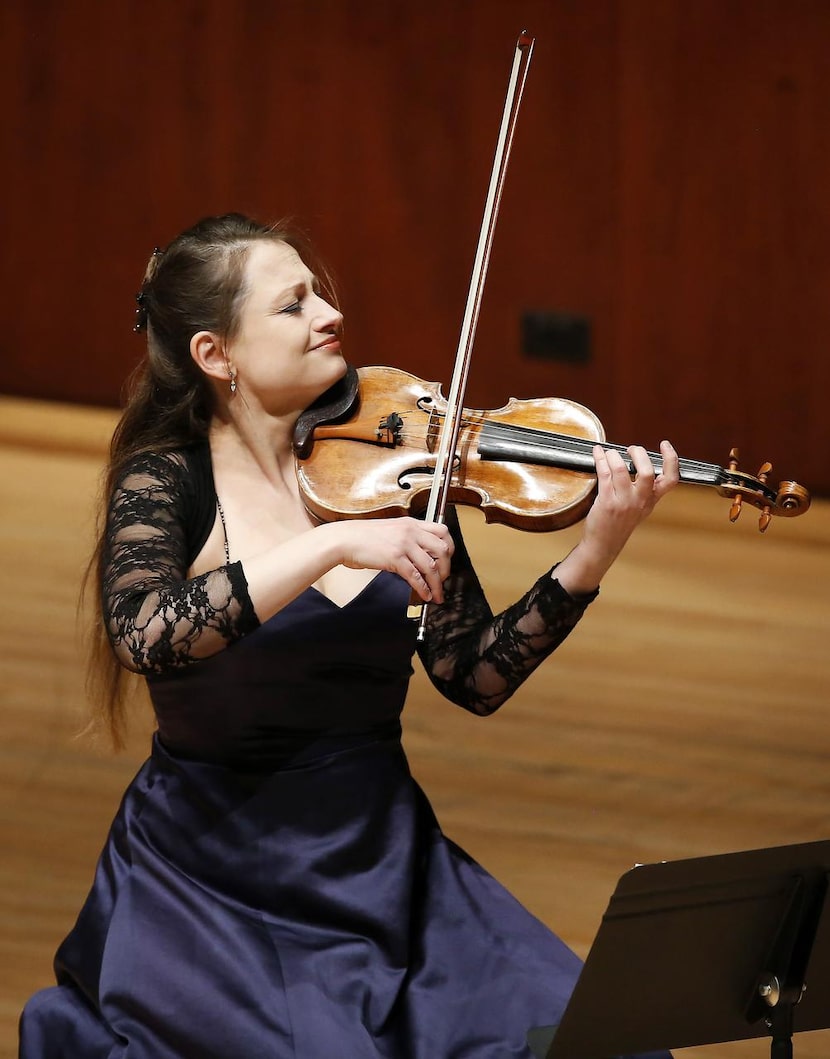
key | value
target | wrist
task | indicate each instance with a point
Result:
(331, 546)
(581, 572)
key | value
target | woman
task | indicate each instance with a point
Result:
(275, 883)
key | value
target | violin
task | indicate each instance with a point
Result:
(383, 443)
(371, 450)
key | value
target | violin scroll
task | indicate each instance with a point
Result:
(790, 500)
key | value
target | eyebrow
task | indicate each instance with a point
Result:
(291, 291)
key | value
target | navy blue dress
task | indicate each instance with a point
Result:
(275, 883)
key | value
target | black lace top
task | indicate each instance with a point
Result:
(168, 626)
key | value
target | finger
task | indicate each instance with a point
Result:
(643, 466)
(671, 468)
(432, 583)
(439, 559)
(417, 582)
(601, 464)
(441, 536)
(436, 570)
(425, 561)
(440, 566)
(619, 476)
(439, 547)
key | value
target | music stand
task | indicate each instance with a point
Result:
(704, 951)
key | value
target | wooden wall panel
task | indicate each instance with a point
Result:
(667, 181)
(725, 268)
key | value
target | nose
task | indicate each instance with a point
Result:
(329, 320)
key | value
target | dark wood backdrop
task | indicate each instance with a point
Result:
(669, 182)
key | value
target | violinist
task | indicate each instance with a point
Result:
(275, 882)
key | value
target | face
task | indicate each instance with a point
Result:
(287, 348)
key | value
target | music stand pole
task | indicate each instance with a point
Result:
(783, 981)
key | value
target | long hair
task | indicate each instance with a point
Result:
(195, 284)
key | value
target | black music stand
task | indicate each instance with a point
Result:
(704, 951)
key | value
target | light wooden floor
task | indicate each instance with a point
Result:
(685, 717)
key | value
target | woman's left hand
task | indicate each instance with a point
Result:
(622, 503)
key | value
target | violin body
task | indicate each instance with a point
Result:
(383, 458)
(528, 464)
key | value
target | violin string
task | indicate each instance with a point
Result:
(571, 443)
(566, 443)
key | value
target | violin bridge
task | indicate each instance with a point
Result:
(389, 430)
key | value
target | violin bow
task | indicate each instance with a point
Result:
(448, 439)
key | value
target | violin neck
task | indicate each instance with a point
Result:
(498, 441)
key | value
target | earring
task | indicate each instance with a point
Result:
(232, 374)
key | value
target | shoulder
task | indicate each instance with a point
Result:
(146, 470)
(166, 489)
(179, 469)
(170, 480)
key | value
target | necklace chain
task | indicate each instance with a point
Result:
(224, 529)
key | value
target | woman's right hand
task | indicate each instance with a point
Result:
(417, 551)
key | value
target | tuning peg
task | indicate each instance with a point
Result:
(766, 512)
(737, 500)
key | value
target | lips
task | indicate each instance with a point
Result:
(332, 343)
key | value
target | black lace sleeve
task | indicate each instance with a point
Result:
(478, 660)
(158, 618)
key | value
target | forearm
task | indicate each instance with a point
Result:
(582, 570)
(279, 575)
(478, 661)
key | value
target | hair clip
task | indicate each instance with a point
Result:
(141, 312)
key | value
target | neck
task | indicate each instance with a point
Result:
(247, 436)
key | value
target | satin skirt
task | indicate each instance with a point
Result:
(316, 911)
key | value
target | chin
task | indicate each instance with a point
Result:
(330, 373)
(339, 367)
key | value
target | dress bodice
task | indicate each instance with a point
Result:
(230, 689)
(313, 670)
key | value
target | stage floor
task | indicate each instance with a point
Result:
(686, 716)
